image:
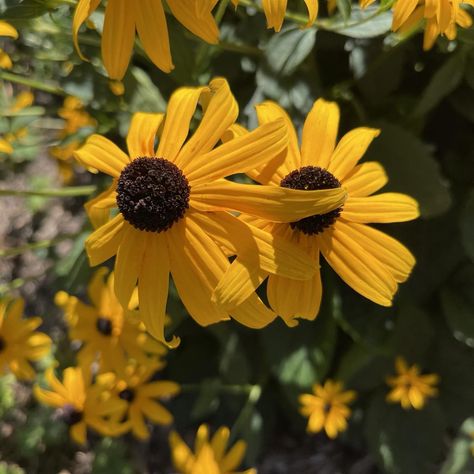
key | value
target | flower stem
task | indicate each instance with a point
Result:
(42, 244)
(72, 191)
(33, 83)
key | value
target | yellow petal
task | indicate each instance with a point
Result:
(5, 146)
(253, 313)
(402, 11)
(350, 150)
(179, 113)
(268, 202)
(84, 9)
(153, 32)
(356, 266)
(104, 242)
(312, 6)
(219, 442)
(365, 179)
(128, 263)
(118, 37)
(100, 153)
(156, 412)
(8, 30)
(381, 208)
(234, 457)
(197, 264)
(183, 458)
(78, 433)
(221, 112)
(320, 134)
(241, 154)
(275, 12)
(98, 208)
(142, 134)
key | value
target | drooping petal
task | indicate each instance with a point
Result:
(350, 150)
(380, 208)
(183, 458)
(253, 313)
(84, 10)
(401, 12)
(142, 134)
(128, 263)
(313, 7)
(358, 268)
(104, 242)
(180, 111)
(100, 153)
(275, 13)
(8, 30)
(98, 208)
(241, 154)
(320, 134)
(153, 32)
(221, 112)
(137, 422)
(365, 179)
(153, 285)
(197, 264)
(118, 37)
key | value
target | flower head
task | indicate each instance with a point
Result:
(110, 334)
(275, 11)
(142, 395)
(409, 387)
(440, 16)
(209, 456)
(173, 201)
(83, 405)
(20, 344)
(327, 408)
(369, 261)
(75, 116)
(6, 30)
(147, 18)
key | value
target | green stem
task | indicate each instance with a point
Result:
(43, 244)
(229, 389)
(72, 191)
(246, 412)
(33, 83)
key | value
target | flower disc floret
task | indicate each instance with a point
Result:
(104, 326)
(70, 415)
(152, 194)
(312, 178)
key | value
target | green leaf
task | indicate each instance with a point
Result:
(345, 8)
(207, 401)
(365, 23)
(288, 49)
(26, 10)
(460, 459)
(404, 441)
(411, 168)
(467, 225)
(444, 81)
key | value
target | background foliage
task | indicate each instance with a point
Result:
(249, 380)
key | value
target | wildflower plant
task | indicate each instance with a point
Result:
(246, 227)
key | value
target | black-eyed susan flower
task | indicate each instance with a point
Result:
(327, 408)
(275, 11)
(146, 17)
(82, 405)
(210, 456)
(409, 387)
(369, 261)
(110, 334)
(143, 396)
(440, 17)
(173, 203)
(6, 30)
(20, 343)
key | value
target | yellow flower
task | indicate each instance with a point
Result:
(275, 12)
(5, 146)
(83, 405)
(22, 100)
(64, 155)
(327, 409)
(142, 394)
(173, 203)
(75, 116)
(411, 389)
(109, 333)
(147, 17)
(20, 344)
(209, 456)
(441, 17)
(369, 261)
(6, 30)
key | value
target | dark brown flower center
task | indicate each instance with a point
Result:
(128, 395)
(2, 344)
(152, 194)
(312, 178)
(70, 415)
(104, 326)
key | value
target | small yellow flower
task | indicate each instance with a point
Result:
(22, 100)
(75, 116)
(173, 201)
(209, 456)
(20, 344)
(64, 154)
(275, 12)
(409, 388)
(440, 16)
(5, 147)
(327, 409)
(110, 334)
(6, 30)
(147, 18)
(83, 405)
(142, 394)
